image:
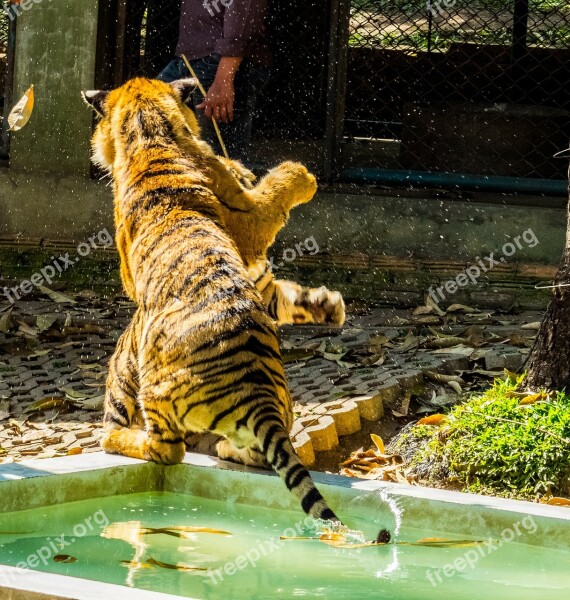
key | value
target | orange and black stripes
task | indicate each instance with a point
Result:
(201, 354)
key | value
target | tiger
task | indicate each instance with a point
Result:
(202, 344)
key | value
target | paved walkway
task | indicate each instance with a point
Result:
(374, 375)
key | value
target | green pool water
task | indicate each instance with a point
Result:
(104, 540)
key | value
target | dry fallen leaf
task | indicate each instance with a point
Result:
(438, 419)
(44, 322)
(47, 403)
(378, 443)
(532, 398)
(5, 322)
(461, 308)
(56, 296)
(74, 451)
(22, 111)
(555, 501)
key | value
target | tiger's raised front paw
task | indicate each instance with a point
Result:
(323, 307)
(303, 185)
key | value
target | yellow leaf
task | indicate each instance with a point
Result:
(22, 112)
(559, 501)
(378, 443)
(135, 565)
(74, 451)
(533, 398)
(177, 567)
(433, 420)
(182, 528)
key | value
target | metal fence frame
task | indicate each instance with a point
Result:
(331, 161)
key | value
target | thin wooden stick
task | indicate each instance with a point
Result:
(203, 92)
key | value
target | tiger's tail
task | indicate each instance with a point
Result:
(279, 452)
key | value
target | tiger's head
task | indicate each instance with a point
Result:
(132, 100)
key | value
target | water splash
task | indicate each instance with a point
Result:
(380, 509)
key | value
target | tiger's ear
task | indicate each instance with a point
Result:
(184, 88)
(96, 100)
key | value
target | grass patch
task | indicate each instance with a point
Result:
(495, 445)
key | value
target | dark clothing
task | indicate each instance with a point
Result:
(224, 27)
(249, 80)
(145, 55)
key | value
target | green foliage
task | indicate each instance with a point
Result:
(494, 444)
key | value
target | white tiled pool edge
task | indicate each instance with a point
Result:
(210, 477)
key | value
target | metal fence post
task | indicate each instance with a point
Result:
(336, 85)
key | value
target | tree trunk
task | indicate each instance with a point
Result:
(548, 365)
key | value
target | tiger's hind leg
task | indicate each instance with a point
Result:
(160, 441)
(121, 410)
(250, 456)
(131, 431)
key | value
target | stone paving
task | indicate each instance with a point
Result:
(383, 365)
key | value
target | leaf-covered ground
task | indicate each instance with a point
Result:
(54, 349)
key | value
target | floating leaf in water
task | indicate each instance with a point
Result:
(333, 539)
(64, 558)
(444, 543)
(177, 566)
(22, 111)
(437, 419)
(179, 530)
(56, 296)
(135, 565)
(378, 443)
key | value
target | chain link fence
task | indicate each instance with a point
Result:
(454, 86)
(462, 86)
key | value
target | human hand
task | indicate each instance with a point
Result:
(219, 101)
